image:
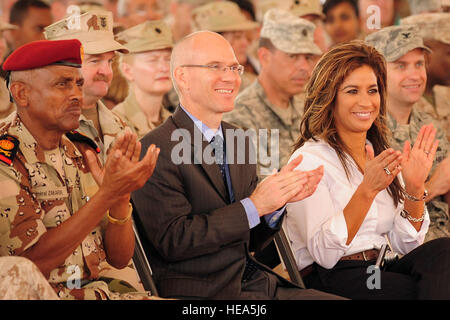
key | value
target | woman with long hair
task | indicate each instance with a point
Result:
(370, 195)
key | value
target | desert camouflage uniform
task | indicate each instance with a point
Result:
(253, 110)
(132, 114)
(20, 279)
(437, 207)
(111, 125)
(40, 190)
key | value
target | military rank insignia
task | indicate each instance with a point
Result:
(79, 137)
(8, 148)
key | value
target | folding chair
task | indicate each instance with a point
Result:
(284, 249)
(142, 265)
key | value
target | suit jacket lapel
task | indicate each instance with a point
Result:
(212, 171)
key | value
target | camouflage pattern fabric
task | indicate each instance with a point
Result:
(221, 16)
(289, 33)
(40, 190)
(111, 125)
(20, 279)
(132, 114)
(396, 41)
(439, 107)
(94, 29)
(147, 36)
(434, 25)
(437, 207)
(253, 110)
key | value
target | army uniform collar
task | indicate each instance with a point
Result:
(284, 117)
(32, 152)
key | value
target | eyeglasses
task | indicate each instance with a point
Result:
(218, 67)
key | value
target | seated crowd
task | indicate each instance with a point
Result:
(201, 129)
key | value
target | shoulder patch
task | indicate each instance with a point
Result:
(80, 137)
(8, 148)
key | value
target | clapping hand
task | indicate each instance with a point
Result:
(287, 185)
(380, 171)
(418, 160)
(123, 172)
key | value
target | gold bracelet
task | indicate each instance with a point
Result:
(120, 221)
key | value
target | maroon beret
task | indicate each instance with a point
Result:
(42, 53)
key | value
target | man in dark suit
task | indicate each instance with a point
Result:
(199, 219)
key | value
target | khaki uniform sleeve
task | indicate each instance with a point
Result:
(21, 223)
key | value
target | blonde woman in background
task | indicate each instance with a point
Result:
(147, 70)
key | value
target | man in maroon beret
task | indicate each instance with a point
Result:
(69, 218)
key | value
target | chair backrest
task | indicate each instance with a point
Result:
(287, 257)
(142, 265)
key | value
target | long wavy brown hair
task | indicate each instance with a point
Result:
(321, 92)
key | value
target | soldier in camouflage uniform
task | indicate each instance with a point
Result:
(147, 70)
(94, 30)
(435, 30)
(404, 51)
(20, 279)
(226, 18)
(53, 199)
(287, 54)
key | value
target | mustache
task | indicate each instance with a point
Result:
(101, 77)
(75, 103)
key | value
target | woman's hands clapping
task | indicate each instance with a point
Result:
(418, 160)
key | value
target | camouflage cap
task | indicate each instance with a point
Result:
(94, 29)
(423, 6)
(396, 41)
(6, 26)
(431, 25)
(221, 16)
(150, 35)
(289, 33)
(302, 8)
(263, 6)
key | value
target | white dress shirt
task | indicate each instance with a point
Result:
(316, 225)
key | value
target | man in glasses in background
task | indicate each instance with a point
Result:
(202, 211)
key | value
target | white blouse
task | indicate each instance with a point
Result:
(316, 225)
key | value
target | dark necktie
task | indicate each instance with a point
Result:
(218, 145)
(219, 153)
